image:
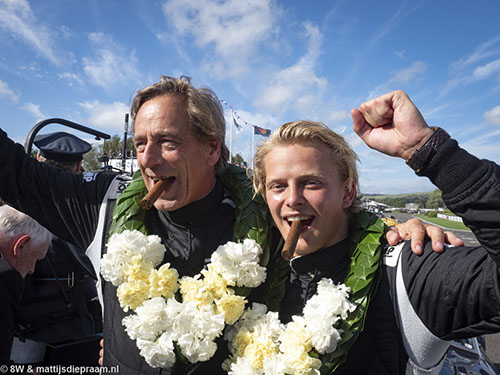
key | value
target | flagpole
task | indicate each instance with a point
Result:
(253, 145)
(231, 138)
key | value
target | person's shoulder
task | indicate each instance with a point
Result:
(8, 273)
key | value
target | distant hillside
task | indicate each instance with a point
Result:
(399, 200)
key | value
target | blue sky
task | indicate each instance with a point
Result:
(269, 61)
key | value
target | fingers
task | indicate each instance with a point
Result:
(414, 229)
(436, 235)
(417, 231)
(392, 236)
(101, 352)
(378, 112)
(453, 239)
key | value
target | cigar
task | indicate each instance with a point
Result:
(291, 240)
(150, 198)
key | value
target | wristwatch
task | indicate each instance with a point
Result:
(420, 157)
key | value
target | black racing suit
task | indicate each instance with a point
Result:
(438, 297)
(69, 208)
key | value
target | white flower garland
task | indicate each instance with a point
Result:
(260, 344)
(208, 303)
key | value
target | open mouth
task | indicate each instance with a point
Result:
(170, 179)
(306, 221)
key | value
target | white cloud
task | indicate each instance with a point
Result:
(34, 110)
(5, 91)
(401, 77)
(229, 30)
(483, 51)
(338, 116)
(112, 64)
(493, 116)
(484, 71)
(17, 18)
(466, 70)
(290, 84)
(108, 116)
(405, 9)
(71, 77)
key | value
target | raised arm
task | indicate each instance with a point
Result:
(393, 125)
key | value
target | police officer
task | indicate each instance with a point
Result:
(60, 297)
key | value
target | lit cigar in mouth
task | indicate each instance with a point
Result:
(291, 240)
(149, 200)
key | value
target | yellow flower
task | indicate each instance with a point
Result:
(304, 365)
(132, 294)
(232, 306)
(193, 290)
(164, 281)
(295, 339)
(214, 282)
(137, 270)
(257, 351)
(240, 342)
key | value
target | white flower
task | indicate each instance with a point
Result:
(260, 344)
(323, 310)
(121, 249)
(239, 263)
(274, 365)
(194, 328)
(196, 350)
(150, 320)
(243, 366)
(160, 354)
(161, 323)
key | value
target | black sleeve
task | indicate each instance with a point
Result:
(471, 189)
(65, 203)
(457, 293)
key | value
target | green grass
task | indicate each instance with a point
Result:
(443, 222)
(401, 195)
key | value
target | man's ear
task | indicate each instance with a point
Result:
(78, 166)
(349, 194)
(19, 244)
(214, 151)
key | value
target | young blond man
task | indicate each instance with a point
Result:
(416, 304)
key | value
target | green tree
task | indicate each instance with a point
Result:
(238, 160)
(114, 146)
(91, 159)
(435, 200)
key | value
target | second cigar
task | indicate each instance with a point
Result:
(150, 198)
(291, 240)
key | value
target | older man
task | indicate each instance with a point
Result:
(22, 242)
(179, 137)
(409, 307)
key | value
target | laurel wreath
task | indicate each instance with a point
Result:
(252, 221)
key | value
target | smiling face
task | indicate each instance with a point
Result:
(302, 183)
(167, 148)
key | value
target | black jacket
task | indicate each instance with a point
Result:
(69, 207)
(438, 297)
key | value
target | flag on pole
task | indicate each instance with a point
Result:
(238, 126)
(261, 131)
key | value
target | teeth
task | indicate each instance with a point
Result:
(298, 218)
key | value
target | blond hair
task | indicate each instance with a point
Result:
(205, 114)
(340, 152)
